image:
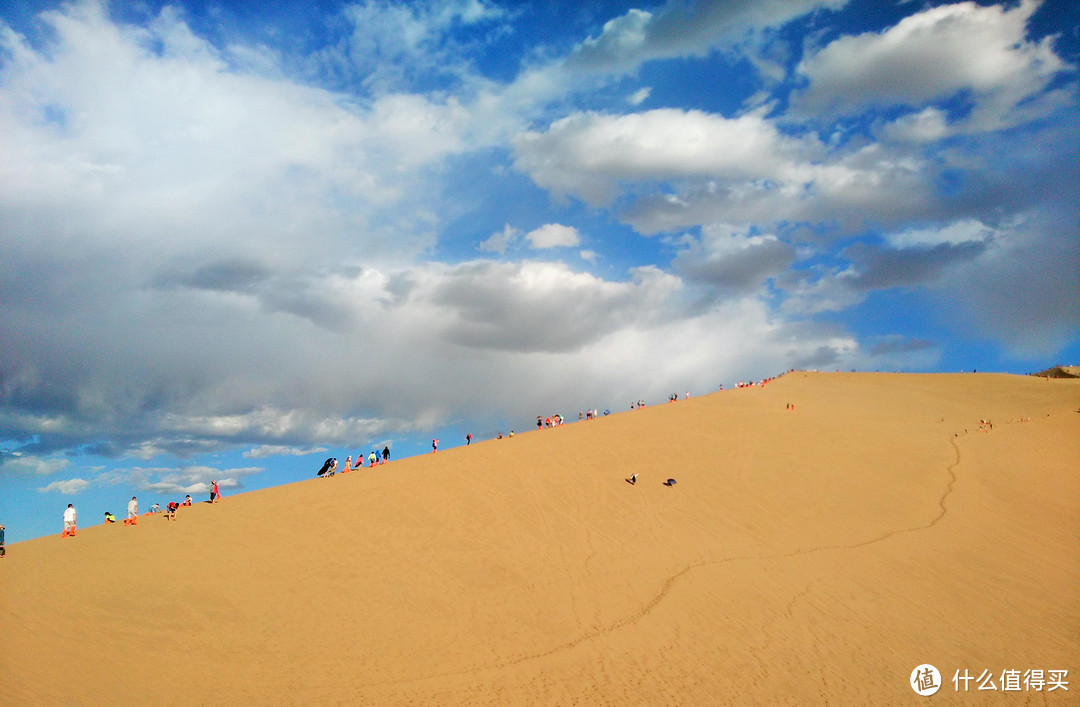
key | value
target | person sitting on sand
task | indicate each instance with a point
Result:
(170, 510)
(187, 500)
(109, 517)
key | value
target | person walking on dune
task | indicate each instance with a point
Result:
(385, 454)
(215, 493)
(468, 439)
(434, 446)
(2, 550)
(69, 521)
(132, 512)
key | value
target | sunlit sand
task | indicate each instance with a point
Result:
(807, 555)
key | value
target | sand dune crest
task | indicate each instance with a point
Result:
(805, 556)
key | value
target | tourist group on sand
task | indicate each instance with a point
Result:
(132, 518)
(374, 458)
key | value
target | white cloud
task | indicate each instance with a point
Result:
(963, 231)
(927, 125)
(679, 29)
(67, 488)
(553, 235)
(638, 97)
(183, 480)
(29, 464)
(588, 154)
(272, 450)
(932, 55)
(499, 241)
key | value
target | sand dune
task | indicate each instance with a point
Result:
(804, 557)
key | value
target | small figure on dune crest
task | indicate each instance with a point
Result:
(215, 493)
(434, 446)
(109, 517)
(669, 482)
(385, 454)
(632, 480)
(328, 467)
(69, 521)
(2, 550)
(132, 512)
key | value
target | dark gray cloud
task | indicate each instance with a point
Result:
(231, 275)
(882, 268)
(742, 269)
(899, 344)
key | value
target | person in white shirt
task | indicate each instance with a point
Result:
(133, 512)
(69, 520)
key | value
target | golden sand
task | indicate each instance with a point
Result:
(807, 556)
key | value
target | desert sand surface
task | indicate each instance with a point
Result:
(806, 556)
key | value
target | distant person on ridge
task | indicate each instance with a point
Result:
(132, 512)
(109, 517)
(69, 521)
(468, 439)
(327, 468)
(2, 550)
(215, 493)
(434, 446)
(385, 454)
(373, 458)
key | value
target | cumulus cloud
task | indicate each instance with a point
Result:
(553, 235)
(272, 450)
(499, 241)
(68, 487)
(930, 55)
(19, 463)
(588, 155)
(177, 480)
(730, 260)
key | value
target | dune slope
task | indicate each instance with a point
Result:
(805, 556)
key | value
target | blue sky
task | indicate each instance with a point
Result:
(237, 238)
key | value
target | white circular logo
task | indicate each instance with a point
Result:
(925, 680)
